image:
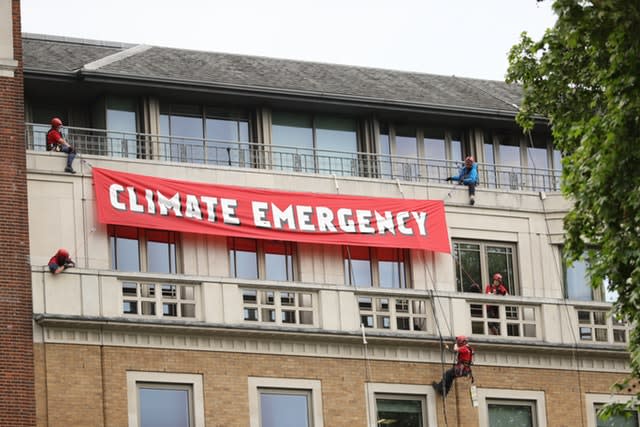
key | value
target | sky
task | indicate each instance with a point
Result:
(466, 38)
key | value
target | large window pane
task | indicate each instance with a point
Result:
(407, 149)
(489, 174)
(160, 407)
(509, 159)
(357, 266)
(278, 261)
(284, 410)
(161, 252)
(391, 269)
(456, 147)
(500, 260)
(125, 250)
(436, 153)
(510, 415)
(399, 413)
(538, 162)
(468, 269)
(385, 151)
(223, 137)
(619, 421)
(577, 282)
(243, 258)
(121, 127)
(292, 138)
(336, 134)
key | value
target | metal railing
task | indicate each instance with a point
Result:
(117, 144)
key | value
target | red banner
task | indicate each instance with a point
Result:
(194, 207)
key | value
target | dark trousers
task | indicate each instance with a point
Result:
(71, 154)
(446, 382)
(472, 189)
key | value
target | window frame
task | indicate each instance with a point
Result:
(143, 239)
(312, 387)
(423, 392)
(492, 395)
(261, 259)
(165, 380)
(593, 400)
(513, 288)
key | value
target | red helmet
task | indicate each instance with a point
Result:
(497, 277)
(461, 340)
(63, 252)
(55, 122)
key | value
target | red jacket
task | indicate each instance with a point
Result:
(53, 138)
(499, 290)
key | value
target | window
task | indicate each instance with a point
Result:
(578, 283)
(506, 413)
(420, 152)
(280, 402)
(504, 407)
(402, 314)
(375, 267)
(402, 405)
(399, 411)
(261, 259)
(121, 127)
(137, 249)
(475, 261)
(196, 134)
(315, 143)
(159, 299)
(601, 326)
(227, 141)
(594, 402)
(279, 307)
(165, 400)
(630, 420)
(509, 161)
(503, 319)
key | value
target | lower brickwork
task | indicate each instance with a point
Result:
(81, 385)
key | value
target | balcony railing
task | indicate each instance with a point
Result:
(115, 144)
(292, 306)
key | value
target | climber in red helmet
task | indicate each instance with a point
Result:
(461, 368)
(60, 261)
(55, 142)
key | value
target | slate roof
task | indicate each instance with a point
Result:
(50, 54)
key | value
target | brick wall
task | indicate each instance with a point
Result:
(79, 378)
(17, 401)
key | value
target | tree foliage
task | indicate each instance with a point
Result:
(584, 77)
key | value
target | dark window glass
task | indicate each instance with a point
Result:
(121, 127)
(468, 268)
(399, 413)
(510, 415)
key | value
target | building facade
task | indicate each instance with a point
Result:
(161, 324)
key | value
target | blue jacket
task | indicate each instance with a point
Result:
(467, 176)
